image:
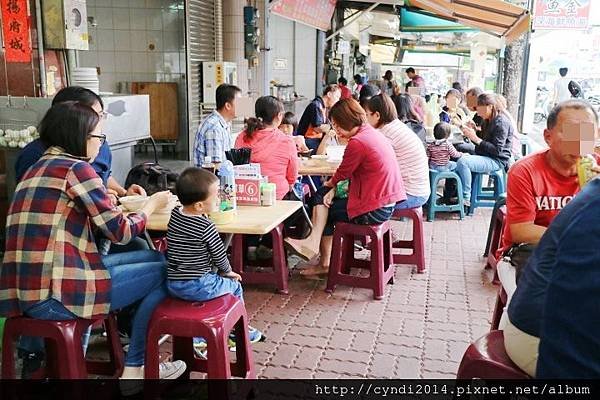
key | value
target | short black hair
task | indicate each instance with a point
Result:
(366, 92)
(343, 81)
(442, 130)
(330, 88)
(358, 79)
(575, 104)
(563, 71)
(193, 184)
(67, 125)
(225, 94)
(77, 93)
(289, 118)
(410, 70)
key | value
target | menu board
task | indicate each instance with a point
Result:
(15, 29)
(315, 13)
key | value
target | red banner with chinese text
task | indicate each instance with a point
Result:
(315, 13)
(561, 14)
(15, 29)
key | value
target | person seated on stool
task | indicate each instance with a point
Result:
(375, 185)
(198, 266)
(539, 187)
(441, 151)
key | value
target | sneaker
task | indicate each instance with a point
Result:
(200, 347)
(171, 370)
(254, 334)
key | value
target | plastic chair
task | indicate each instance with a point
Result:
(495, 240)
(486, 358)
(342, 258)
(501, 299)
(212, 320)
(485, 197)
(488, 243)
(417, 243)
(64, 351)
(433, 207)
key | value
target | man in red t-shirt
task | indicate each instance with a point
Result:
(540, 185)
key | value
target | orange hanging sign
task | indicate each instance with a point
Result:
(15, 29)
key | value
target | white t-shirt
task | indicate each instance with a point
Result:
(561, 90)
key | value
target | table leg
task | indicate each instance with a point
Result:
(311, 184)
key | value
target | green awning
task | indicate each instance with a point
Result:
(419, 21)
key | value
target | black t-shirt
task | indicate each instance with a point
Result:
(312, 115)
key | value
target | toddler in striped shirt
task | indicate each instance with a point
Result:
(441, 150)
(198, 267)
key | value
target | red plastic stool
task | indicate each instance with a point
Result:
(487, 359)
(492, 261)
(64, 351)
(501, 300)
(212, 320)
(342, 258)
(416, 243)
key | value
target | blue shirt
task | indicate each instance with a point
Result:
(34, 151)
(213, 139)
(312, 116)
(570, 318)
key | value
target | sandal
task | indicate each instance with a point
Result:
(303, 252)
(314, 271)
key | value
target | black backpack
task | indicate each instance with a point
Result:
(152, 176)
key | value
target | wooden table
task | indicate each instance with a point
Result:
(318, 167)
(251, 220)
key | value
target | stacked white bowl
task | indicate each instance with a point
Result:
(85, 77)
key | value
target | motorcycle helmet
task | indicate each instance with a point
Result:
(575, 90)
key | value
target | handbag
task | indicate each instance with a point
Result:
(152, 176)
(298, 225)
(518, 255)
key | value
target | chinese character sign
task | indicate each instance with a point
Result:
(15, 29)
(315, 13)
(561, 14)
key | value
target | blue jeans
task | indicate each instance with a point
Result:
(136, 275)
(209, 286)
(473, 163)
(411, 202)
(451, 166)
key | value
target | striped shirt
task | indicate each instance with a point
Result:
(195, 247)
(440, 152)
(411, 157)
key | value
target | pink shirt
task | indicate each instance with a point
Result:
(276, 153)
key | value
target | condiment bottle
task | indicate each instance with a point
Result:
(227, 186)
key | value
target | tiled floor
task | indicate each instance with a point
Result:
(420, 329)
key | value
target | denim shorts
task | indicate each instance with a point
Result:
(209, 286)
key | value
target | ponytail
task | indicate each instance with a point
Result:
(252, 125)
(266, 110)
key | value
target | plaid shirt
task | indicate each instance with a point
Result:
(50, 247)
(212, 139)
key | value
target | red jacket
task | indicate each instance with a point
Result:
(370, 164)
(277, 155)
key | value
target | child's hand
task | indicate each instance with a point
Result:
(233, 275)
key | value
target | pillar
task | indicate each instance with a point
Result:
(233, 39)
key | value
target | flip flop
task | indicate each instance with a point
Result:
(312, 272)
(303, 252)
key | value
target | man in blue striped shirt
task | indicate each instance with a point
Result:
(213, 137)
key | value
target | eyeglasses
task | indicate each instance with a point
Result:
(103, 114)
(100, 136)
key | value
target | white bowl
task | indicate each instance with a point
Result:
(133, 203)
(319, 157)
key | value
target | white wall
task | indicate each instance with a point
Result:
(296, 43)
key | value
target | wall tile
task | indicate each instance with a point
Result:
(106, 61)
(171, 41)
(139, 62)
(104, 17)
(108, 83)
(139, 41)
(154, 3)
(123, 62)
(123, 40)
(156, 62)
(88, 58)
(171, 62)
(170, 20)
(137, 3)
(154, 19)
(121, 18)
(120, 4)
(137, 19)
(103, 3)
(155, 37)
(93, 38)
(105, 39)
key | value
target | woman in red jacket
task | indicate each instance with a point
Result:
(272, 149)
(375, 185)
